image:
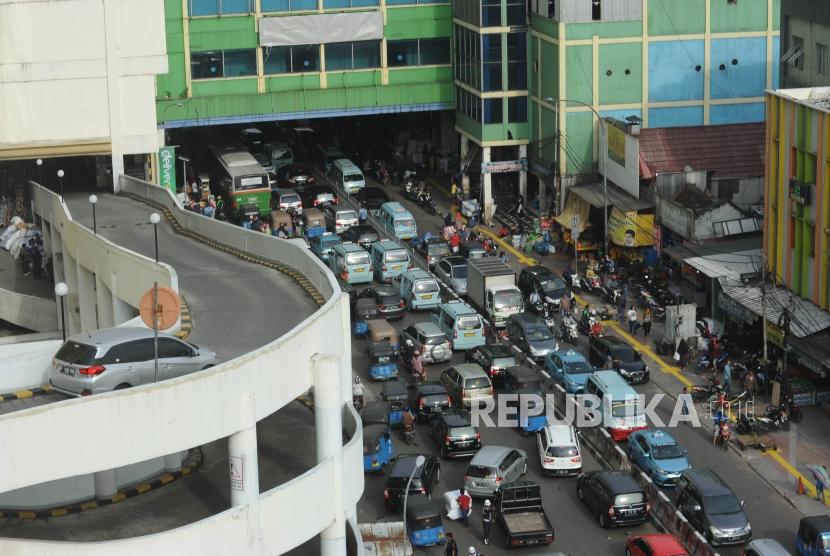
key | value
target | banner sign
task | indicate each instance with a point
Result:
(616, 144)
(504, 166)
(167, 168)
(631, 229)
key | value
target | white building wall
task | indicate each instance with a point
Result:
(54, 67)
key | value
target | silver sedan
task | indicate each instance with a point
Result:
(453, 272)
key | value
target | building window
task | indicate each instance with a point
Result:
(410, 2)
(517, 12)
(491, 13)
(291, 59)
(418, 52)
(223, 63)
(493, 111)
(516, 61)
(822, 59)
(596, 10)
(551, 9)
(352, 55)
(491, 57)
(517, 110)
(468, 57)
(220, 7)
(336, 4)
(288, 5)
(468, 104)
(798, 45)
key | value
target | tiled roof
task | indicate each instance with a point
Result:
(734, 150)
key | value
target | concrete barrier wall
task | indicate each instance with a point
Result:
(26, 365)
(142, 423)
(29, 311)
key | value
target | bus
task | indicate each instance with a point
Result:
(239, 179)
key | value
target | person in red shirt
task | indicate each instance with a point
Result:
(455, 241)
(465, 504)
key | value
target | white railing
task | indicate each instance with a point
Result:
(157, 419)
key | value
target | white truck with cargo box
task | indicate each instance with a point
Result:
(491, 289)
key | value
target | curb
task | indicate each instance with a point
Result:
(191, 464)
(296, 275)
(27, 393)
(186, 319)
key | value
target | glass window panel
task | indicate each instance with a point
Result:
(366, 54)
(516, 47)
(205, 65)
(517, 109)
(402, 53)
(399, 2)
(492, 76)
(493, 111)
(327, 4)
(516, 76)
(303, 5)
(274, 5)
(516, 13)
(338, 56)
(492, 47)
(435, 51)
(236, 6)
(204, 7)
(305, 58)
(362, 3)
(276, 59)
(240, 62)
(490, 13)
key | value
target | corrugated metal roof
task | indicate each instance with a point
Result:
(806, 318)
(593, 193)
(691, 249)
(734, 150)
(727, 264)
(384, 539)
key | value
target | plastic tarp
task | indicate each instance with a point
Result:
(451, 504)
(574, 206)
(318, 28)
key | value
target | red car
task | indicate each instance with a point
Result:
(654, 545)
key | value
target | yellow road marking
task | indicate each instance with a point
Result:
(59, 512)
(23, 394)
(808, 485)
(143, 488)
(510, 249)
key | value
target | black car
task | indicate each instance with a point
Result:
(614, 497)
(317, 196)
(372, 197)
(295, 175)
(432, 249)
(624, 359)
(428, 398)
(362, 234)
(542, 279)
(424, 480)
(522, 376)
(389, 301)
(495, 359)
(712, 508)
(454, 433)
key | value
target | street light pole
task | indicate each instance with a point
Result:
(93, 199)
(60, 179)
(419, 462)
(39, 163)
(61, 290)
(604, 135)
(154, 220)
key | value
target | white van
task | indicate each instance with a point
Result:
(344, 175)
(559, 451)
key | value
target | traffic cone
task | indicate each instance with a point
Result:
(799, 486)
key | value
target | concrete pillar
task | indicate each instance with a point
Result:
(328, 423)
(242, 457)
(106, 486)
(523, 177)
(543, 195)
(487, 189)
(346, 360)
(465, 148)
(172, 462)
(103, 297)
(121, 310)
(86, 298)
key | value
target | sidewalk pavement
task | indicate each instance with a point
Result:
(12, 278)
(805, 443)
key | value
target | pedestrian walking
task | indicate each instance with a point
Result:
(487, 517)
(621, 307)
(520, 208)
(684, 402)
(503, 257)
(565, 304)
(465, 503)
(631, 315)
(727, 374)
(37, 260)
(821, 478)
(362, 215)
(682, 353)
(452, 547)
(647, 322)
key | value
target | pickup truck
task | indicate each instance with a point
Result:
(491, 289)
(520, 512)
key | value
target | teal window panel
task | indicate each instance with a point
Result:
(675, 70)
(491, 50)
(736, 113)
(738, 67)
(220, 7)
(291, 59)
(434, 52)
(517, 110)
(352, 55)
(516, 61)
(288, 5)
(402, 53)
(491, 13)
(675, 116)
(776, 55)
(240, 62)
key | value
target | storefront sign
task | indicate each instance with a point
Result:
(775, 335)
(735, 309)
(504, 166)
(800, 191)
(631, 229)
(616, 144)
(167, 168)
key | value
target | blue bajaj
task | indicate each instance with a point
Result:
(383, 363)
(530, 412)
(365, 309)
(396, 395)
(813, 537)
(424, 525)
(377, 448)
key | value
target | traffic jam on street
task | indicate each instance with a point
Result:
(448, 315)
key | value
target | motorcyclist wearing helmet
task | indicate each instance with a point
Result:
(357, 392)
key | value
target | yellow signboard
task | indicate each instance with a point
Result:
(616, 144)
(630, 229)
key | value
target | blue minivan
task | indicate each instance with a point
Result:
(398, 221)
(461, 323)
(419, 289)
(351, 263)
(322, 245)
(389, 259)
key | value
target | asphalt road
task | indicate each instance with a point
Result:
(576, 532)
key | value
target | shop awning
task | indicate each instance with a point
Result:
(727, 264)
(807, 319)
(813, 352)
(593, 193)
(630, 229)
(574, 206)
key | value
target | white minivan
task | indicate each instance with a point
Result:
(559, 451)
(344, 175)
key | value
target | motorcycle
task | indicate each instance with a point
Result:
(569, 333)
(585, 323)
(428, 204)
(589, 285)
(775, 417)
(703, 362)
(794, 411)
(702, 392)
(544, 311)
(571, 280)
(610, 294)
(723, 436)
